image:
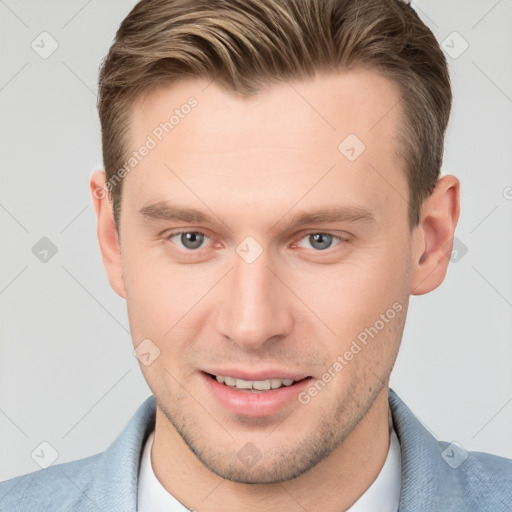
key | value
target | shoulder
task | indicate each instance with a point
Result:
(439, 475)
(55, 488)
(105, 481)
(479, 478)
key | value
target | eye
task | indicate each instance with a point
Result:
(192, 240)
(189, 239)
(321, 241)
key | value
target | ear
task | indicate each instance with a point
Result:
(433, 237)
(107, 232)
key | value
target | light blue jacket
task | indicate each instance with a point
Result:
(436, 475)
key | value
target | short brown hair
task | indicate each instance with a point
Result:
(245, 45)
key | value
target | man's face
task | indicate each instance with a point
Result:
(247, 293)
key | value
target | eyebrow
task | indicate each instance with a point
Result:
(332, 214)
(163, 210)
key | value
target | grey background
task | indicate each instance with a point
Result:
(68, 374)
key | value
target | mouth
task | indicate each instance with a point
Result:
(254, 393)
(255, 386)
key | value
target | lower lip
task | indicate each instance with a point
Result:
(255, 404)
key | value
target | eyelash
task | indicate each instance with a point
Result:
(305, 235)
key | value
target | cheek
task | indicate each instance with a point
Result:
(148, 294)
(353, 293)
(161, 296)
(349, 299)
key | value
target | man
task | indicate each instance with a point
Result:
(271, 198)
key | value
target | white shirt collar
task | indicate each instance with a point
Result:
(382, 496)
(151, 494)
(384, 493)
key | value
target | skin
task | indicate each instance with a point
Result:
(255, 163)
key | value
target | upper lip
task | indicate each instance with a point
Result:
(266, 374)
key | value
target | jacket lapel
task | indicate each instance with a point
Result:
(114, 486)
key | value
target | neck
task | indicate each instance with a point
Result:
(346, 473)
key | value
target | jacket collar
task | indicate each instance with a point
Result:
(421, 469)
(118, 466)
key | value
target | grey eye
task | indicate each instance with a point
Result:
(191, 240)
(320, 241)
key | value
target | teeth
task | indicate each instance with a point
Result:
(259, 385)
(229, 381)
(243, 384)
(275, 383)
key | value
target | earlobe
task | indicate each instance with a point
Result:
(107, 232)
(433, 237)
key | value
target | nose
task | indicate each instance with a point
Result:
(255, 307)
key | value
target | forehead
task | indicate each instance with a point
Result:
(283, 139)
(360, 101)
